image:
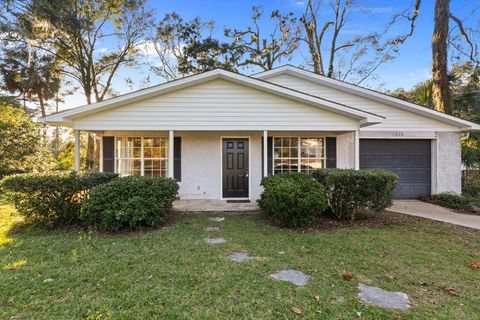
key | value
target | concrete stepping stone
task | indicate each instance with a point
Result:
(294, 276)
(212, 228)
(215, 240)
(216, 219)
(238, 257)
(382, 298)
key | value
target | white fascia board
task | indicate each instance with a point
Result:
(464, 125)
(365, 117)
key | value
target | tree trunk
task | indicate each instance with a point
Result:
(441, 86)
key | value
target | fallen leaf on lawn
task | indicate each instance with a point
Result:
(451, 291)
(383, 254)
(474, 265)
(297, 310)
(347, 276)
(317, 298)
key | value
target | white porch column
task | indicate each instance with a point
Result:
(100, 164)
(77, 150)
(265, 153)
(170, 154)
(357, 149)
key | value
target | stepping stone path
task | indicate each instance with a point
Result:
(382, 298)
(238, 257)
(216, 219)
(215, 240)
(296, 277)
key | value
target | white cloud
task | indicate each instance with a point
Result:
(147, 48)
(419, 75)
(374, 10)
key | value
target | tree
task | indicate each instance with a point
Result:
(75, 31)
(354, 59)
(31, 74)
(420, 94)
(20, 150)
(440, 88)
(265, 51)
(186, 47)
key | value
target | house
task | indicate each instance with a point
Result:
(218, 133)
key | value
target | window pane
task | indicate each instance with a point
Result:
(294, 153)
(277, 142)
(155, 153)
(137, 153)
(137, 142)
(163, 153)
(147, 142)
(294, 142)
(277, 152)
(147, 152)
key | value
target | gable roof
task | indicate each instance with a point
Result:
(464, 125)
(66, 117)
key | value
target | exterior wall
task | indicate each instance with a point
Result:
(396, 119)
(448, 164)
(346, 151)
(201, 164)
(202, 152)
(216, 105)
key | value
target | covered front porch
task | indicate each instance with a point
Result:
(222, 165)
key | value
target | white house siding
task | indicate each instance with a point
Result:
(447, 169)
(216, 105)
(396, 118)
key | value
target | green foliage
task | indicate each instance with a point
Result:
(193, 51)
(130, 203)
(52, 198)
(350, 190)
(21, 149)
(266, 50)
(30, 73)
(292, 199)
(456, 202)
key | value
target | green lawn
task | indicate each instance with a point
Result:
(171, 273)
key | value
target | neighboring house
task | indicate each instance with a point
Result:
(218, 133)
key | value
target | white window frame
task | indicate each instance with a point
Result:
(142, 155)
(299, 153)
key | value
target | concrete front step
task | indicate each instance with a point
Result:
(213, 206)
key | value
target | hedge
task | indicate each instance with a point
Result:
(349, 190)
(53, 198)
(292, 199)
(130, 203)
(466, 204)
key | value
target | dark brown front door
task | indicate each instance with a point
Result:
(235, 168)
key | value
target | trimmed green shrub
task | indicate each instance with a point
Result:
(130, 203)
(349, 190)
(52, 198)
(456, 202)
(292, 199)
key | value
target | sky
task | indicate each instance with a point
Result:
(411, 66)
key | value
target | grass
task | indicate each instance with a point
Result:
(171, 273)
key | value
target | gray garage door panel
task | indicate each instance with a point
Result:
(409, 159)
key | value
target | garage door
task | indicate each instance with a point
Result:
(409, 159)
